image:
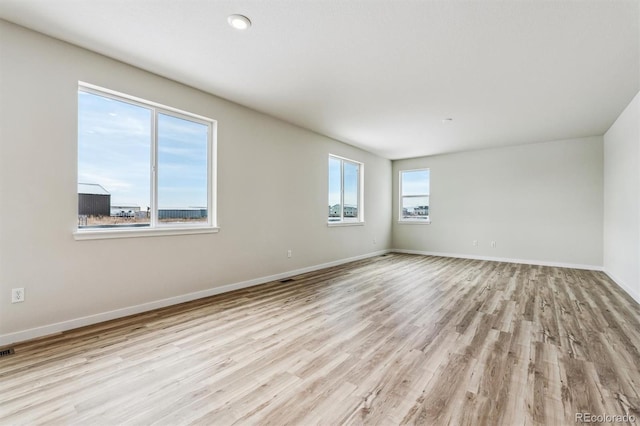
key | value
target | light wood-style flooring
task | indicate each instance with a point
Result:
(394, 339)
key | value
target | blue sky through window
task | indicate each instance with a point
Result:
(415, 182)
(114, 145)
(114, 150)
(334, 181)
(350, 184)
(344, 188)
(182, 163)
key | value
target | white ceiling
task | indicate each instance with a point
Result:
(380, 74)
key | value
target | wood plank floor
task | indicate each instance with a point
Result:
(394, 339)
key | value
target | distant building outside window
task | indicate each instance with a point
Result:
(414, 196)
(345, 190)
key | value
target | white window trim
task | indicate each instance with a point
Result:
(109, 233)
(402, 220)
(359, 221)
(340, 224)
(155, 228)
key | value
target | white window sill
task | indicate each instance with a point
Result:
(414, 222)
(101, 234)
(338, 224)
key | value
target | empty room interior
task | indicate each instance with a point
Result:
(319, 212)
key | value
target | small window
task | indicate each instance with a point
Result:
(142, 165)
(414, 196)
(345, 190)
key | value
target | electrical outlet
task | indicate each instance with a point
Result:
(493, 244)
(17, 295)
(475, 243)
(289, 253)
(374, 241)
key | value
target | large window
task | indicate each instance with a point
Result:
(142, 165)
(345, 190)
(414, 196)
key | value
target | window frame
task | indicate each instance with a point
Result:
(156, 228)
(401, 197)
(359, 220)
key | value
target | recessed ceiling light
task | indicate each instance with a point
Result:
(447, 120)
(239, 22)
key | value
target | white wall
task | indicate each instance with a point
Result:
(622, 199)
(541, 203)
(263, 163)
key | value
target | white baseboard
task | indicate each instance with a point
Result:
(503, 259)
(32, 333)
(623, 286)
